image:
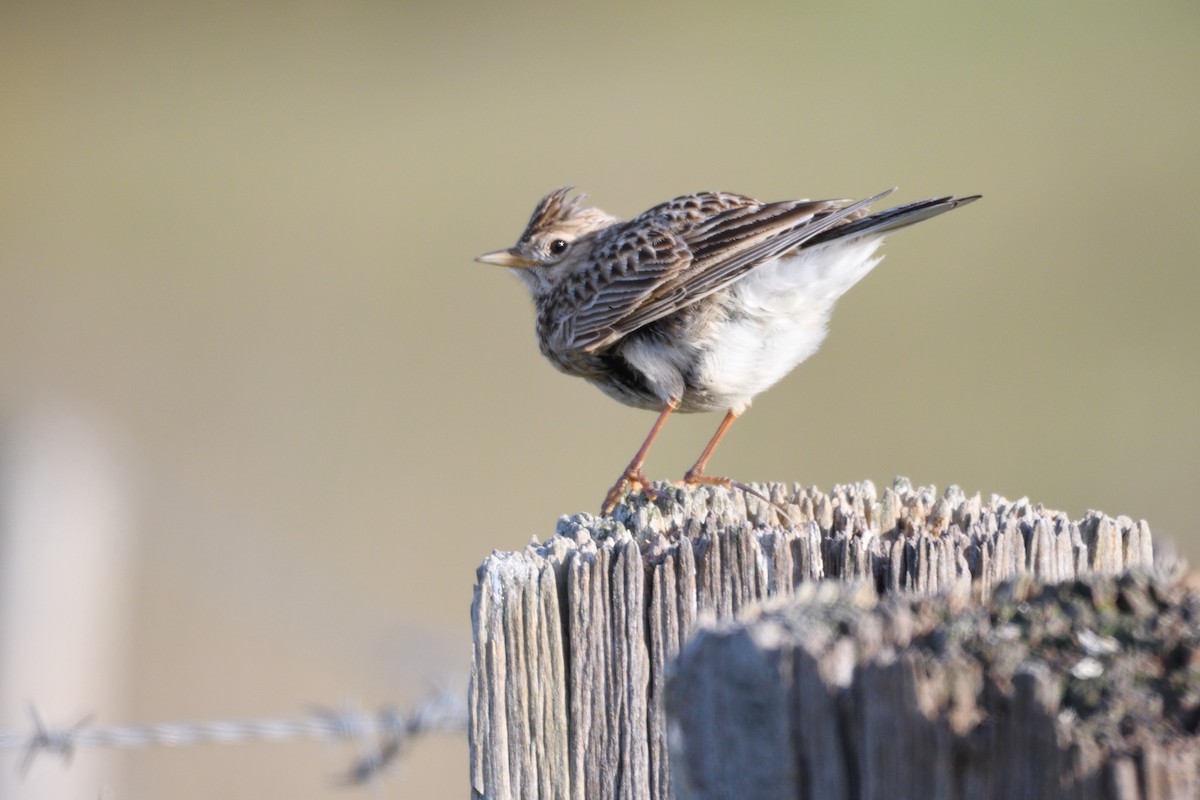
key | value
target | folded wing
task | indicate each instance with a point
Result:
(676, 254)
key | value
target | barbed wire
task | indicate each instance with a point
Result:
(381, 735)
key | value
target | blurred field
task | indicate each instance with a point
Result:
(235, 251)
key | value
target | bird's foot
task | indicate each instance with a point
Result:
(694, 477)
(632, 481)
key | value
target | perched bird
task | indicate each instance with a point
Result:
(698, 304)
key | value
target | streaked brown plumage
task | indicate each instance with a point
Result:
(697, 304)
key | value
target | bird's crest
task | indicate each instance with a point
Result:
(554, 209)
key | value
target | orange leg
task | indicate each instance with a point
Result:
(633, 478)
(696, 473)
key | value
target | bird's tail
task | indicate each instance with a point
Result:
(892, 219)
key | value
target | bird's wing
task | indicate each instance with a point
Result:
(624, 272)
(686, 211)
(667, 260)
(632, 261)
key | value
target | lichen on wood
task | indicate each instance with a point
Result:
(1084, 689)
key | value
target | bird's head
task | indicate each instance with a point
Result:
(557, 237)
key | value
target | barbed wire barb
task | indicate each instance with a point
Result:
(49, 740)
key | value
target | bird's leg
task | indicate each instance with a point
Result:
(633, 478)
(696, 473)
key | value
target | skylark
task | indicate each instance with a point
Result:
(698, 304)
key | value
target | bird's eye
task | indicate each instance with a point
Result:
(558, 247)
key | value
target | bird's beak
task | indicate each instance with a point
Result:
(505, 258)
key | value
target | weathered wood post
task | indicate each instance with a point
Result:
(1084, 689)
(573, 637)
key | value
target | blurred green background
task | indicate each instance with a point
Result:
(236, 275)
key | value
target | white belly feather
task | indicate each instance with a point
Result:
(787, 303)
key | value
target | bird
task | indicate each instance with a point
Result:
(698, 304)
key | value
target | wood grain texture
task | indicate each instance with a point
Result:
(1084, 689)
(574, 636)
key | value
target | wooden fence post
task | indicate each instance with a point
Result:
(1087, 689)
(573, 637)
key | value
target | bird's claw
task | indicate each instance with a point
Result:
(693, 477)
(632, 481)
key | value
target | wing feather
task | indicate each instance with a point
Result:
(676, 254)
(636, 260)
